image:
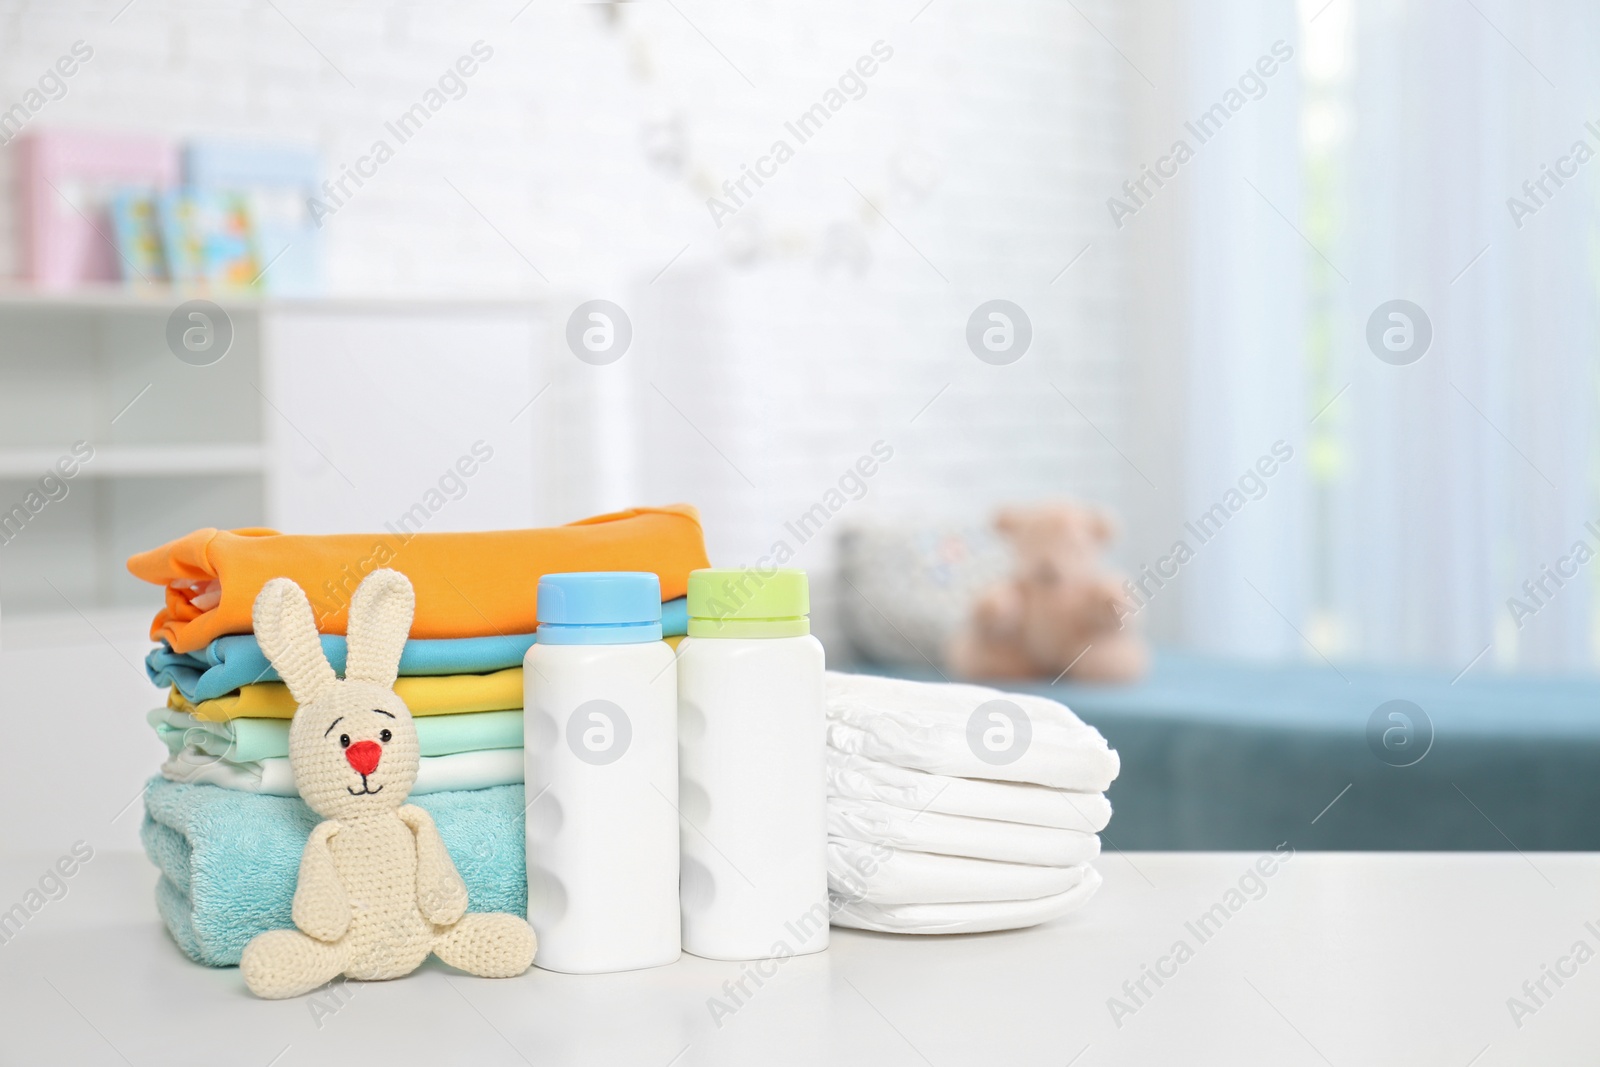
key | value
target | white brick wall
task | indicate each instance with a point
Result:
(989, 140)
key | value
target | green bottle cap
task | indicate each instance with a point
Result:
(747, 602)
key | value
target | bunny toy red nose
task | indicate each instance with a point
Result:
(364, 756)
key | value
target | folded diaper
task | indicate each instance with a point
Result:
(942, 728)
(959, 808)
(248, 740)
(446, 694)
(229, 861)
(435, 774)
(966, 917)
(858, 871)
(861, 778)
(467, 584)
(875, 822)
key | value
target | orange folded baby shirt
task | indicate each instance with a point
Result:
(467, 584)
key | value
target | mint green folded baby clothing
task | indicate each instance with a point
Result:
(229, 861)
(249, 740)
(435, 774)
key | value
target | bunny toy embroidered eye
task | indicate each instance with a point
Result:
(378, 891)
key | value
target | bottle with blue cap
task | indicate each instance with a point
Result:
(601, 744)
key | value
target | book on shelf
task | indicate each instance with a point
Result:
(66, 184)
(276, 182)
(209, 240)
(136, 228)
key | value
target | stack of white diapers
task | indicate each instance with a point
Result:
(959, 808)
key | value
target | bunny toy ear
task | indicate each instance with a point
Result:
(380, 621)
(287, 632)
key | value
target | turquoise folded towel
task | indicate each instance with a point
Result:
(235, 660)
(229, 860)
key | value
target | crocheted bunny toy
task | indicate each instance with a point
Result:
(377, 890)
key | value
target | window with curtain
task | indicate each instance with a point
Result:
(1391, 266)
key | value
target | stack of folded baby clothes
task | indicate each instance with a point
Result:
(959, 808)
(226, 721)
(224, 821)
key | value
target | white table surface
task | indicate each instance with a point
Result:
(1345, 959)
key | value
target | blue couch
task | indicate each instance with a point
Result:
(1221, 754)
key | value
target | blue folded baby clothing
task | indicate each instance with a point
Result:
(236, 660)
(230, 860)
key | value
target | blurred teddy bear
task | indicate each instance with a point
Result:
(1060, 609)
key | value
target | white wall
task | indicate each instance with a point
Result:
(78, 750)
(578, 164)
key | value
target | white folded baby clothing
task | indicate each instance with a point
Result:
(959, 808)
(976, 917)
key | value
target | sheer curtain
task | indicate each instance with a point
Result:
(1437, 508)
(1247, 307)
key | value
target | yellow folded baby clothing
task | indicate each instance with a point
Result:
(445, 694)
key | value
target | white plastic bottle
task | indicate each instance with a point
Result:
(750, 759)
(601, 744)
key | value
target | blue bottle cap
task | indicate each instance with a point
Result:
(599, 608)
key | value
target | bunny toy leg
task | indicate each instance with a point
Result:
(489, 946)
(287, 963)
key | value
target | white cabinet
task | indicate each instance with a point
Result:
(323, 416)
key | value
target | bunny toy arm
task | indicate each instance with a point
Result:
(321, 908)
(441, 894)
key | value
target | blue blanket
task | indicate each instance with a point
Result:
(235, 660)
(229, 860)
(1226, 754)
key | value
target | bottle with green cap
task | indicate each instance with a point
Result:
(752, 799)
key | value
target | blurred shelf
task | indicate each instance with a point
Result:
(123, 461)
(115, 298)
